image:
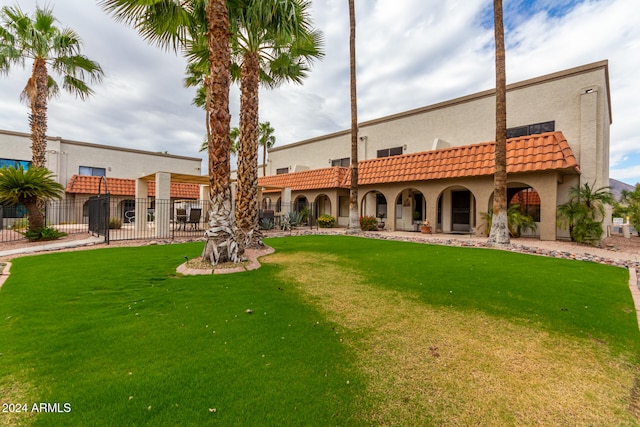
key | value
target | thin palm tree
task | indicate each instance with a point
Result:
(183, 25)
(234, 135)
(593, 198)
(38, 39)
(267, 140)
(499, 234)
(354, 218)
(28, 188)
(272, 42)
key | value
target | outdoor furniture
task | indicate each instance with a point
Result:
(181, 218)
(194, 218)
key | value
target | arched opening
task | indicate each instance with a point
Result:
(524, 207)
(301, 207)
(266, 203)
(322, 205)
(374, 203)
(456, 210)
(410, 210)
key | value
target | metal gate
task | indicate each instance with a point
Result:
(99, 212)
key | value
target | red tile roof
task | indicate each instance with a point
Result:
(316, 179)
(80, 184)
(547, 151)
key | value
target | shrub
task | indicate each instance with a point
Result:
(518, 222)
(44, 233)
(21, 224)
(266, 223)
(326, 221)
(368, 223)
(115, 224)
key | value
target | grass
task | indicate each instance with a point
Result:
(344, 331)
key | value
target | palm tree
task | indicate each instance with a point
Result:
(594, 199)
(221, 243)
(233, 135)
(500, 225)
(354, 218)
(38, 39)
(580, 213)
(267, 140)
(182, 25)
(28, 187)
(272, 42)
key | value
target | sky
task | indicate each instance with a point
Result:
(410, 54)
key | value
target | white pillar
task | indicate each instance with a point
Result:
(285, 200)
(142, 194)
(163, 204)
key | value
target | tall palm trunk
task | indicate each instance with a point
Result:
(37, 91)
(221, 243)
(499, 227)
(34, 210)
(247, 214)
(354, 219)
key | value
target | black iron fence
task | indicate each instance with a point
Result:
(119, 218)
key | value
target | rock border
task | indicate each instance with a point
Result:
(251, 255)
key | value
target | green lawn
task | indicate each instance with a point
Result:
(343, 331)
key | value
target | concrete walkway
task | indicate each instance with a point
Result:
(90, 241)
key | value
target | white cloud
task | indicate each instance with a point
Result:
(411, 53)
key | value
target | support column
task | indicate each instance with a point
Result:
(142, 195)
(163, 204)
(205, 201)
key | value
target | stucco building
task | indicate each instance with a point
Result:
(80, 166)
(436, 162)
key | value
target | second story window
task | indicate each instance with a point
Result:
(91, 171)
(280, 171)
(344, 162)
(386, 152)
(533, 129)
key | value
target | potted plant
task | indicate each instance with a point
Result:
(426, 227)
(381, 222)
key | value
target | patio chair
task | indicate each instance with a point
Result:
(181, 218)
(194, 218)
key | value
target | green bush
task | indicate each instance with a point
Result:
(326, 221)
(115, 224)
(267, 223)
(21, 224)
(368, 223)
(44, 233)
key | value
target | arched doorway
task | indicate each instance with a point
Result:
(322, 205)
(456, 210)
(374, 203)
(524, 208)
(410, 210)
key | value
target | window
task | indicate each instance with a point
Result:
(90, 171)
(533, 129)
(280, 171)
(345, 162)
(6, 163)
(343, 202)
(386, 152)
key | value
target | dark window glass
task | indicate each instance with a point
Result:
(280, 171)
(344, 162)
(386, 152)
(533, 129)
(91, 171)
